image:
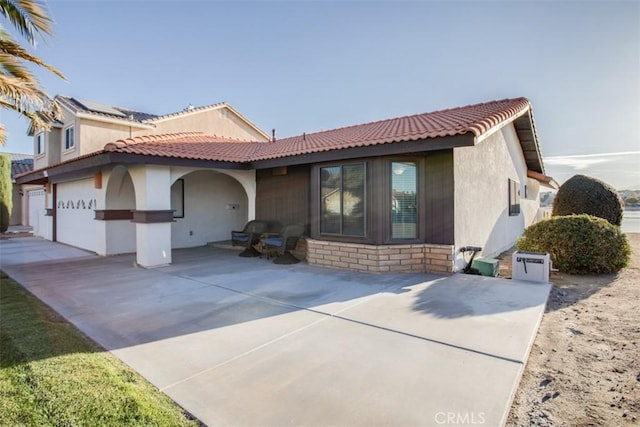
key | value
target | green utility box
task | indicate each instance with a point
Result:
(487, 266)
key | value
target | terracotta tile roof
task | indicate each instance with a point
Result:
(477, 119)
(186, 145)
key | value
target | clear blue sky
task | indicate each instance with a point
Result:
(303, 67)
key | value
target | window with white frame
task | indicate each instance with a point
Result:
(69, 138)
(40, 143)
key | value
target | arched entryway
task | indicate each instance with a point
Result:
(207, 205)
(120, 201)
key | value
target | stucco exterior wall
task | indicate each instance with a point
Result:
(76, 201)
(530, 205)
(96, 134)
(51, 154)
(221, 121)
(481, 176)
(214, 204)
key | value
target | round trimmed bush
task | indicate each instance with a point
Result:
(578, 244)
(586, 195)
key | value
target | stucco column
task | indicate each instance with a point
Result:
(101, 226)
(153, 214)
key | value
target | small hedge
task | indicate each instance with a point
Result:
(578, 244)
(586, 195)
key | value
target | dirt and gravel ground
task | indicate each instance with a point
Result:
(584, 367)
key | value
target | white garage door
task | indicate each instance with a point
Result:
(75, 207)
(37, 212)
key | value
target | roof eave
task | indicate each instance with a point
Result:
(525, 129)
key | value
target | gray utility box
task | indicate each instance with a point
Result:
(531, 266)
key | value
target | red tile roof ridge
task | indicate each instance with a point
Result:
(435, 116)
(182, 137)
(120, 143)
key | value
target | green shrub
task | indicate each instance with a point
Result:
(6, 201)
(578, 244)
(586, 195)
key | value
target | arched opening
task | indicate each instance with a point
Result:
(207, 206)
(120, 200)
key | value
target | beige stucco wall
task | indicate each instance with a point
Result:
(481, 176)
(93, 135)
(220, 121)
(52, 148)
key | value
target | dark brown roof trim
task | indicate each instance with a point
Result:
(407, 147)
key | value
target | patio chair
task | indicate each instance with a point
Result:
(283, 243)
(249, 236)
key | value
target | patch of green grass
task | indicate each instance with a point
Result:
(53, 375)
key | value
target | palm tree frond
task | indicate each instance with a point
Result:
(10, 47)
(28, 17)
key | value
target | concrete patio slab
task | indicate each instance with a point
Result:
(241, 341)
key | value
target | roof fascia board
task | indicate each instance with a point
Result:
(114, 121)
(31, 177)
(532, 125)
(389, 149)
(128, 158)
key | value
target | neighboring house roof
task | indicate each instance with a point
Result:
(20, 167)
(20, 163)
(472, 122)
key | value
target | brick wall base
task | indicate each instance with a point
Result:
(373, 258)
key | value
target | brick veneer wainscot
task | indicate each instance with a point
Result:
(373, 258)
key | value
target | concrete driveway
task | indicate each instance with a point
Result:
(241, 341)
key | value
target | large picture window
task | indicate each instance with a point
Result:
(404, 202)
(342, 200)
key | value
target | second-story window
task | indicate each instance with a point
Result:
(69, 138)
(39, 143)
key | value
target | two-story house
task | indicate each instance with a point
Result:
(402, 194)
(65, 208)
